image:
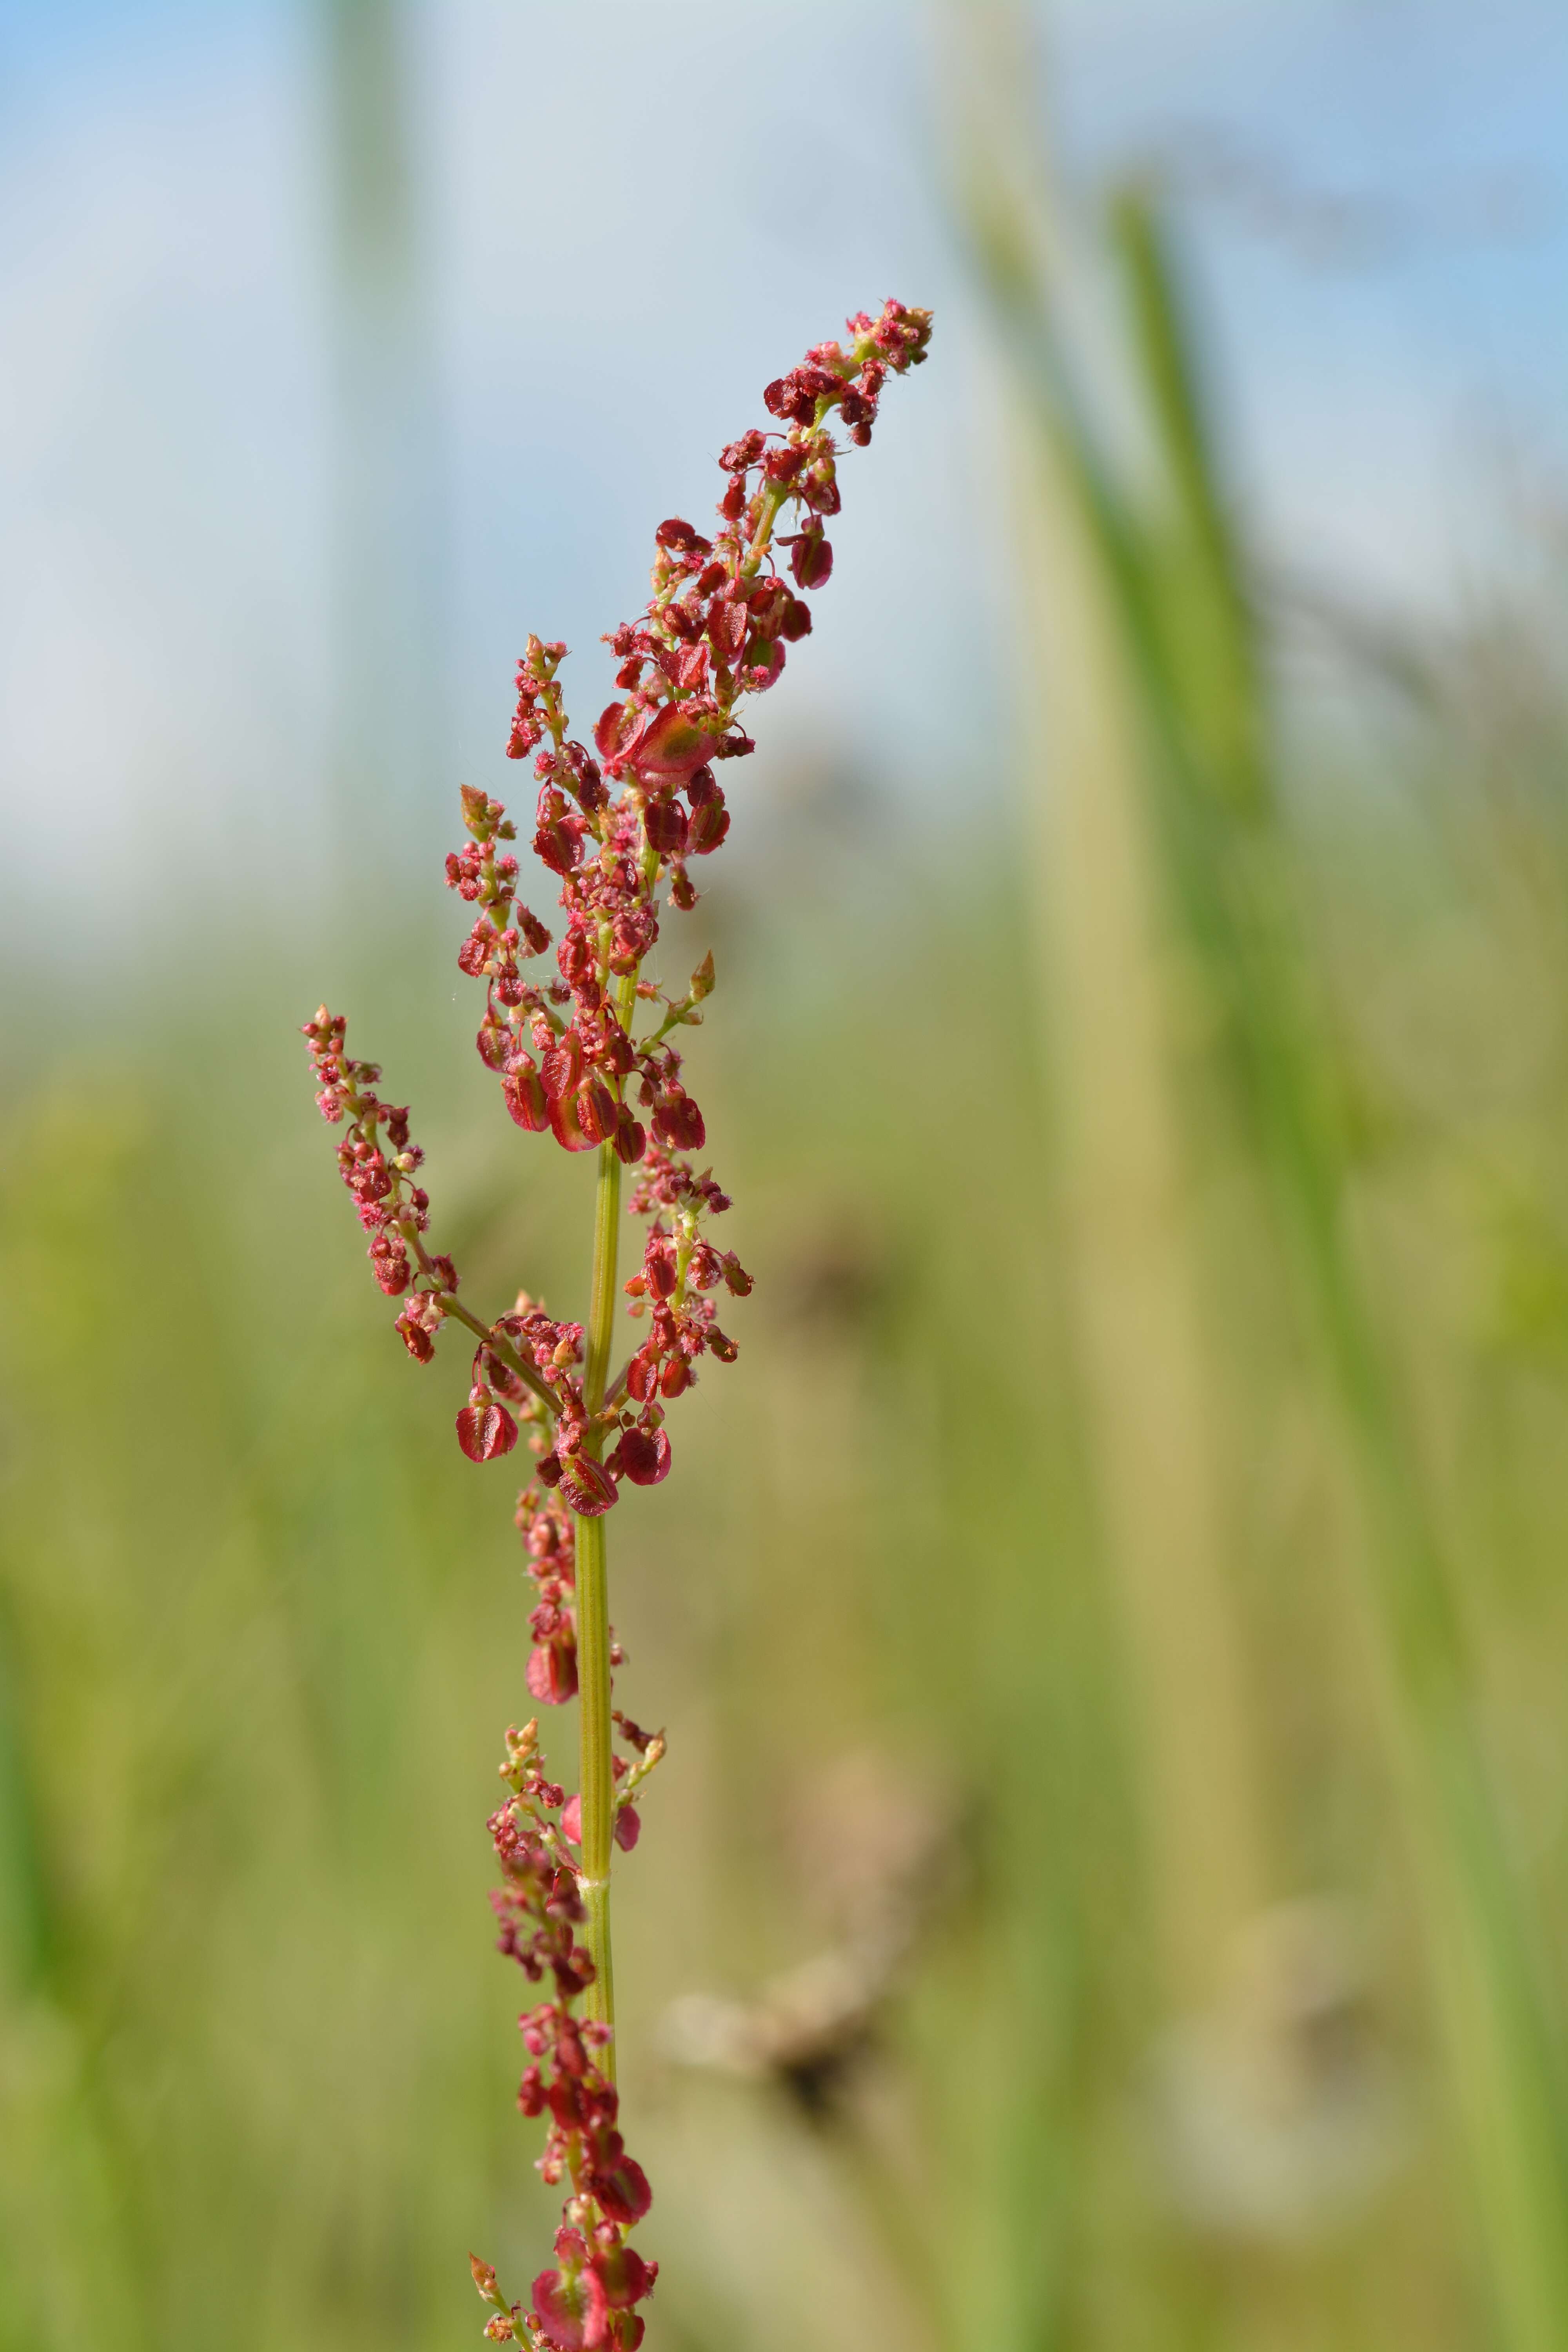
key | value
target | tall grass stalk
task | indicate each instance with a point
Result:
(1172, 571)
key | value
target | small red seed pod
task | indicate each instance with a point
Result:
(621, 2188)
(562, 1065)
(551, 1672)
(642, 1375)
(596, 1110)
(631, 1139)
(710, 823)
(670, 745)
(643, 1456)
(494, 1044)
(566, 1125)
(727, 628)
(571, 2309)
(629, 1827)
(677, 1122)
(675, 1376)
(665, 824)
(587, 1485)
(485, 1428)
(523, 1091)
(811, 557)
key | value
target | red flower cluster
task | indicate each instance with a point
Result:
(616, 824)
(393, 1209)
(589, 2298)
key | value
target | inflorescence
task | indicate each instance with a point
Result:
(619, 825)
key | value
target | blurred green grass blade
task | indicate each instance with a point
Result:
(1215, 818)
(1202, 598)
(30, 1926)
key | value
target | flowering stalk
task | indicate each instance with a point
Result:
(617, 826)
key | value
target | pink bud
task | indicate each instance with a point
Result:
(571, 1821)
(484, 2277)
(485, 1428)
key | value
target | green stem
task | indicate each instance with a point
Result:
(598, 1792)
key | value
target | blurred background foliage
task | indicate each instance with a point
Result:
(1108, 1887)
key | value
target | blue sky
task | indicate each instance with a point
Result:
(630, 218)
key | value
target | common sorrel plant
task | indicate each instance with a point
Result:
(617, 828)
